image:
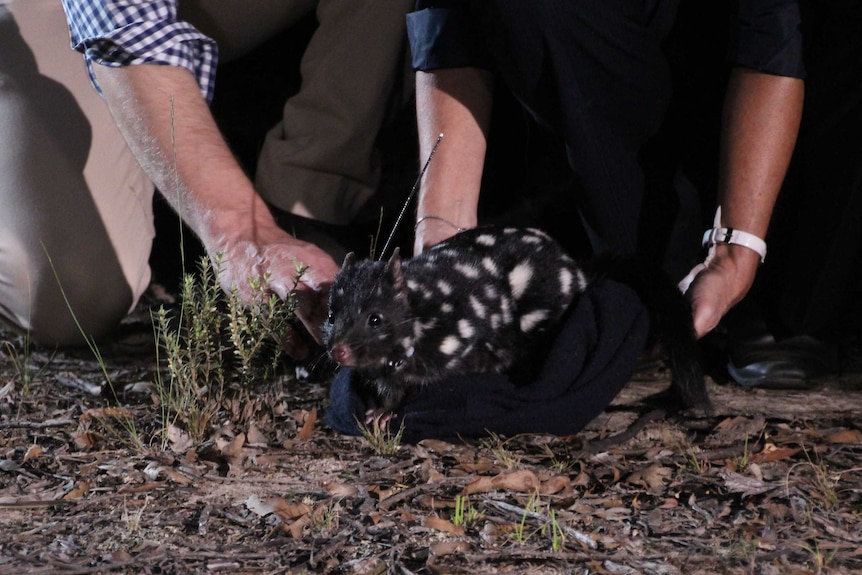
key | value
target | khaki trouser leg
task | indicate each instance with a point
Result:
(73, 197)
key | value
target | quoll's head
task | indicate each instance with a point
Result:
(368, 312)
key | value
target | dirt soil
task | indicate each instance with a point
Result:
(772, 483)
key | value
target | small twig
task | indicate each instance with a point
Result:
(397, 498)
(36, 424)
(36, 503)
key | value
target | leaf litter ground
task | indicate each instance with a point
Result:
(772, 483)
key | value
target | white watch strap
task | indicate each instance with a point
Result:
(738, 237)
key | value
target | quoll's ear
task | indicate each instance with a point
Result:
(396, 273)
(349, 259)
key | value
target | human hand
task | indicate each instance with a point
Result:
(724, 279)
(278, 257)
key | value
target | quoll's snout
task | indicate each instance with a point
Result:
(341, 354)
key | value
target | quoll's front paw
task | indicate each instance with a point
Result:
(379, 418)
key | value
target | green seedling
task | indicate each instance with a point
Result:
(465, 513)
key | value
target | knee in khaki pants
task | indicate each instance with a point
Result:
(77, 209)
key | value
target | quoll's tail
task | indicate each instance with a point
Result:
(671, 326)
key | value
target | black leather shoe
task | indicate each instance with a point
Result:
(757, 359)
(793, 363)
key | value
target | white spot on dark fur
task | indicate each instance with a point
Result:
(490, 266)
(486, 240)
(530, 320)
(566, 281)
(465, 328)
(450, 345)
(583, 282)
(446, 308)
(467, 270)
(519, 278)
(444, 287)
(506, 309)
(419, 328)
(540, 233)
(478, 307)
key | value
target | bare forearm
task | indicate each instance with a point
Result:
(168, 125)
(761, 122)
(456, 103)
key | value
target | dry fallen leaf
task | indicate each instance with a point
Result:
(107, 413)
(176, 476)
(653, 476)
(33, 452)
(179, 440)
(522, 481)
(297, 527)
(255, 436)
(286, 511)
(233, 450)
(772, 453)
(444, 525)
(79, 491)
(85, 439)
(258, 506)
(449, 548)
(845, 436)
(341, 489)
(556, 484)
(277, 506)
(308, 425)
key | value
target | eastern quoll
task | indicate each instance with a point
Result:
(482, 301)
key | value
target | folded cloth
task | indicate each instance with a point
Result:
(592, 358)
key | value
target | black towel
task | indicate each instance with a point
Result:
(591, 360)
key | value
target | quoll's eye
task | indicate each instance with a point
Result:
(330, 319)
(374, 320)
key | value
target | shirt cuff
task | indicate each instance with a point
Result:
(767, 38)
(134, 32)
(444, 38)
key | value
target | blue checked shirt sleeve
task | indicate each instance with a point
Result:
(128, 32)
